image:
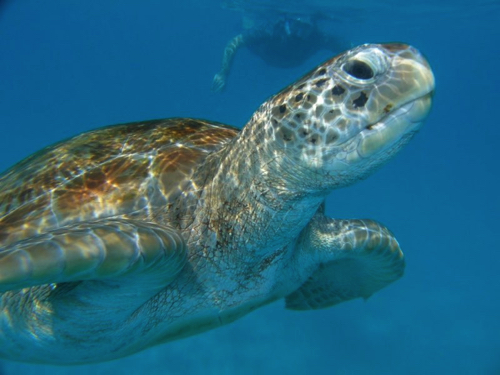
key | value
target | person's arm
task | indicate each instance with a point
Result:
(220, 78)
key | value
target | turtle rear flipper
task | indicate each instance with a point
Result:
(141, 255)
(356, 259)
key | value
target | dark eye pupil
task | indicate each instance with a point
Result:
(358, 69)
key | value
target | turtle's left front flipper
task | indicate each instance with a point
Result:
(144, 257)
(350, 259)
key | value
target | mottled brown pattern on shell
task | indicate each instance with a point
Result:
(106, 172)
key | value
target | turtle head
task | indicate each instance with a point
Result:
(351, 114)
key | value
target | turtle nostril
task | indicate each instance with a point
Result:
(358, 69)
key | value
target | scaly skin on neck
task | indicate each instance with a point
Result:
(258, 199)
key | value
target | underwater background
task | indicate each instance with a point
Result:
(69, 66)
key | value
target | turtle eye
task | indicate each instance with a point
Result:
(358, 69)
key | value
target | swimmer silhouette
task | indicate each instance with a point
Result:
(284, 42)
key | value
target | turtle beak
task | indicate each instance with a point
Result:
(411, 85)
(414, 72)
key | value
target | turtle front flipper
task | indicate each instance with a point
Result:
(105, 249)
(355, 258)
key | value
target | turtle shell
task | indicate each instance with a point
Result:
(128, 169)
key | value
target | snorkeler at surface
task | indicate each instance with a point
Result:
(283, 42)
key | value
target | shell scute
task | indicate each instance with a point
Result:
(105, 172)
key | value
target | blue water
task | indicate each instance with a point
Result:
(70, 66)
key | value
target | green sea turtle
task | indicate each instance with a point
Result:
(133, 235)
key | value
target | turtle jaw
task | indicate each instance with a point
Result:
(379, 141)
(382, 135)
